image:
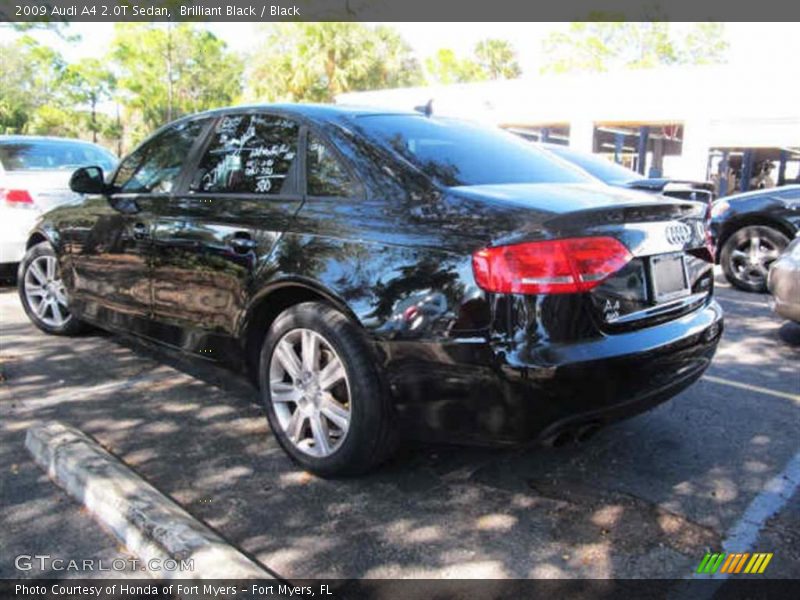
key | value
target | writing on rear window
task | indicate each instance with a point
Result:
(249, 154)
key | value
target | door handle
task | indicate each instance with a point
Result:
(242, 243)
(139, 231)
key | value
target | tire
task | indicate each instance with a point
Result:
(39, 270)
(745, 265)
(328, 429)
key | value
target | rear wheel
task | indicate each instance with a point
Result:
(323, 393)
(747, 255)
(42, 292)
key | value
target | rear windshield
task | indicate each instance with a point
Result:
(599, 166)
(46, 155)
(456, 153)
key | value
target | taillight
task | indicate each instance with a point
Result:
(549, 267)
(15, 196)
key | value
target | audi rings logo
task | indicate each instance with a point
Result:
(678, 234)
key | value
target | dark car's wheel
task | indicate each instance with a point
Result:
(747, 255)
(42, 292)
(323, 393)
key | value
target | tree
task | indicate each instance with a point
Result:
(165, 72)
(31, 76)
(59, 28)
(705, 44)
(445, 67)
(498, 59)
(600, 46)
(491, 59)
(89, 83)
(313, 62)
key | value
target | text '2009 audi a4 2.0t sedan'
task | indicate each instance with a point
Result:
(385, 275)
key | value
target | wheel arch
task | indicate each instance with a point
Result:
(265, 307)
(36, 237)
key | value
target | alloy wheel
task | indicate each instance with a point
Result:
(750, 259)
(310, 392)
(45, 293)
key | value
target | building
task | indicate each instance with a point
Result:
(701, 122)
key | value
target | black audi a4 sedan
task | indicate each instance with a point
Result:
(385, 275)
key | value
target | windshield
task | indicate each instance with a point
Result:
(53, 155)
(596, 165)
(457, 153)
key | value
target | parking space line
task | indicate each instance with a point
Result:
(745, 532)
(767, 503)
(753, 388)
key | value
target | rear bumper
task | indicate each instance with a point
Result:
(11, 251)
(15, 226)
(474, 392)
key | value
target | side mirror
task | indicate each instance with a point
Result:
(88, 180)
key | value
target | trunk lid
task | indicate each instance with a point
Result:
(670, 273)
(48, 189)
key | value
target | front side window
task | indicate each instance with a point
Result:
(457, 153)
(326, 176)
(249, 154)
(155, 167)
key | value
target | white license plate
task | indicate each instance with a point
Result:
(669, 277)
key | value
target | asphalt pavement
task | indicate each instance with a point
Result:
(643, 498)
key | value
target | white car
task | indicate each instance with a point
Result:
(34, 177)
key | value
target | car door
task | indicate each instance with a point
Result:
(110, 241)
(213, 235)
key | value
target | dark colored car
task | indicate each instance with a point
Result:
(751, 230)
(613, 174)
(385, 275)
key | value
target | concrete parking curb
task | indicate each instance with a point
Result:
(151, 525)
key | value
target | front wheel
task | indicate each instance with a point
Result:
(747, 255)
(323, 392)
(42, 292)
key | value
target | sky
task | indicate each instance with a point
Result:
(753, 46)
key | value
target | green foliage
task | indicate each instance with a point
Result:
(498, 59)
(313, 62)
(31, 76)
(491, 59)
(155, 73)
(89, 82)
(600, 46)
(59, 28)
(445, 67)
(167, 72)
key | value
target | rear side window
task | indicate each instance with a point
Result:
(456, 153)
(155, 166)
(327, 176)
(249, 154)
(53, 155)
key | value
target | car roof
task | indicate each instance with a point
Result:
(762, 192)
(313, 111)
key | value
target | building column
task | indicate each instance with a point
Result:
(694, 153)
(657, 166)
(644, 134)
(581, 135)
